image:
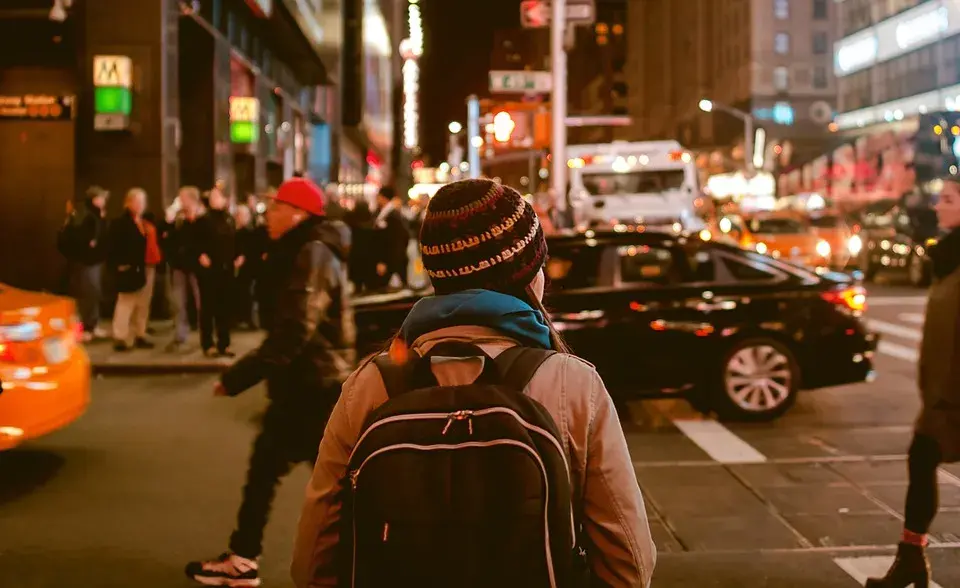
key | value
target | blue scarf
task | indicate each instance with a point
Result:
(483, 308)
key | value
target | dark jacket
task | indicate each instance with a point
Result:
(83, 237)
(309, 321)
(251, 243)
(127, 247)
(180, 243)
(939, 366)
(394, 237)
(216, 238)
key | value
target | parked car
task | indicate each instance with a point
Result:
(44, 371)
(661, 314)
(895, 241)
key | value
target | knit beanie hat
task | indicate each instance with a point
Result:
(481, 234)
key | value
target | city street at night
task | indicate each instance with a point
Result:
(150, 478)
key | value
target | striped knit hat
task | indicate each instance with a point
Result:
(481, 234)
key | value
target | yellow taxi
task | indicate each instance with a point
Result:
(780, 235)
(44, 371)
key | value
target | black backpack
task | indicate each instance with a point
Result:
(460, 485)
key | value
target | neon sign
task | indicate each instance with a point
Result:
(411, 49)
(923, 28)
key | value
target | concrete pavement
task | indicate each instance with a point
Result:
(151, 478)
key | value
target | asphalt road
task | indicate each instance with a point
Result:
(151, 478)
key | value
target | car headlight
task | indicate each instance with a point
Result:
(855, 245)
(823, 248)
(761, 248)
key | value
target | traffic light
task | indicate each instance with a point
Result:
(503, 126)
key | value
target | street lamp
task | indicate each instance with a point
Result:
(709, 106)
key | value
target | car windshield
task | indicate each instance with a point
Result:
(777, 226)
(826, 222)
(641, 182)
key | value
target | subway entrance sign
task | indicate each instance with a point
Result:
(112, 92)
(244, 119)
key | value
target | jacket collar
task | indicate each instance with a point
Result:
(490, 340)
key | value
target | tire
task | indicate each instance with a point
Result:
(917, 272)
(764, 363)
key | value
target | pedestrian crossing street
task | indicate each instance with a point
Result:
(899, 321)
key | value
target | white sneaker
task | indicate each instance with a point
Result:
(227, 570)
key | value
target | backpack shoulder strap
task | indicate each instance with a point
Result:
(518, 365)
(396, 378)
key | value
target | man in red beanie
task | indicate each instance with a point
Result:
(307, 322)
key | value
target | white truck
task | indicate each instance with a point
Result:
(652, 183)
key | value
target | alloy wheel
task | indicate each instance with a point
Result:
(758, 378)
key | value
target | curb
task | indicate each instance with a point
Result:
(154, 369)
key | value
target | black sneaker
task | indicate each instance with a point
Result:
(120, 346)
(227, 570)
(141, 343)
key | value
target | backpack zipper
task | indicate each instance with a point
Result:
(543, 470)
(476, 413)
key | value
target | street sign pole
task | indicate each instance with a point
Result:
(473, 131)
(558, 171)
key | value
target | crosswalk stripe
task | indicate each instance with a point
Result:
(719, 442)
(895, 300)
(899, 351)
(861, 568)
(894, 330)
(914, 318)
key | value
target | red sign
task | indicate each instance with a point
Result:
(534, 13)
(262, 8)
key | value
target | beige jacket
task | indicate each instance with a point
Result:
(622, 552)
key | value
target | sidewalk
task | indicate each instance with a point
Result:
(104, 360)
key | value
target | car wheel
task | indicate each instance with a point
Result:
(759, 381)
(917, 271)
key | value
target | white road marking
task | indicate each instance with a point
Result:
(898, 351)
(894, 330)
(895, 300)
(719, 442)
(861, 568)
(914, 318)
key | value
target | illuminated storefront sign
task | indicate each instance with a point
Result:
(36, 107)
(908, 31)
(412, 49)
(112, 92)
(244, 119)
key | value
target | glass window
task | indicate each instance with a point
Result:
(748, 272)
(702, 264)
(781, 9)
(777, 226)
(826, 222)
(781, 78)
(641, 182)
(820, 43)
(820, 77)
(642, 264)
(573, 267)
(781, 43)
(820, 9)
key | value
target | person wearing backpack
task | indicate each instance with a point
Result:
(476, 451)
(82, 241)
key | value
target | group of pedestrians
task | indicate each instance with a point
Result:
(382, 237)
(213, 260)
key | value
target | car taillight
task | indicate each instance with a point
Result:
(854, 298)
(11, 335)
(6, 352)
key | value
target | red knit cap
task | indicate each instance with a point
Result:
(481, 234)
(303, 194)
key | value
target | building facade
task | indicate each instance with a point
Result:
(770, 58)
(163, 93)
(896, 60)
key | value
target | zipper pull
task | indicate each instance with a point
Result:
(386, 531)
(446, 427)
(353, 478)
(470, 423)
